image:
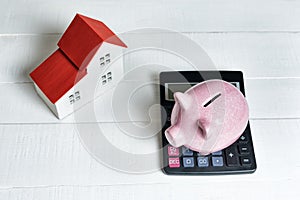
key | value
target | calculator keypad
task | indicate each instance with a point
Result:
(235, 156)
(238, 157)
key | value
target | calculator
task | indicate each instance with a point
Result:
(235, 159)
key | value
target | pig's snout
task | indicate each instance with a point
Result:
(174, 136)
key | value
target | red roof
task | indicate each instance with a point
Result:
(83, 37)
(67, 65)
(56, 76)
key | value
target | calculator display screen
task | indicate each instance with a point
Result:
(171, 88)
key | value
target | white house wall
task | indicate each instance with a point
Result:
(63, 105)
(46, 100)
(91, 86)
(95, 67)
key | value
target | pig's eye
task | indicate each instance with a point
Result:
(212, 100)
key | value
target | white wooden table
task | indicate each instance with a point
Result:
(43, 158)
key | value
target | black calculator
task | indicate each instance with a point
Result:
(237, 158)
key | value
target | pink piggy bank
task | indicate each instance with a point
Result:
(208, 117)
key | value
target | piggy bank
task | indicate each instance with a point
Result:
(208, 117)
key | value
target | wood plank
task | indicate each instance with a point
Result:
(148, 191)
(49, 155)
(21, 54)
(139, 101)
(257, 55)
(193, 16)
(259, 189)
(21, 100)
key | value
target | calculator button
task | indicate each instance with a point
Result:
(186, 151)
(243, 149)
(199, 154)
(188, 161)
(173, 151)
(243, 139)
(245, 161)
(202, 161)
(217, 161)
(231, 156)
(217, 153)
(174, 162)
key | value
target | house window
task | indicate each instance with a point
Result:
(106, 78)
(71, 98)
(109, 76)
(105, 60)
(77, 96)
(74, 97)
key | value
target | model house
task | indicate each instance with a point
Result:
(87, 63)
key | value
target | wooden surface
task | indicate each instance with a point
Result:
(42, 157)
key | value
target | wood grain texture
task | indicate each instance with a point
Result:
(262, 189)
(151, 191)
(49, 155)
(267, 99)
(257, 55)
(191, 16)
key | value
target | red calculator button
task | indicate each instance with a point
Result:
(174, 162)
(173, 151)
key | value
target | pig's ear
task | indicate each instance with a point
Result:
(202, 124)
(183, 100)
